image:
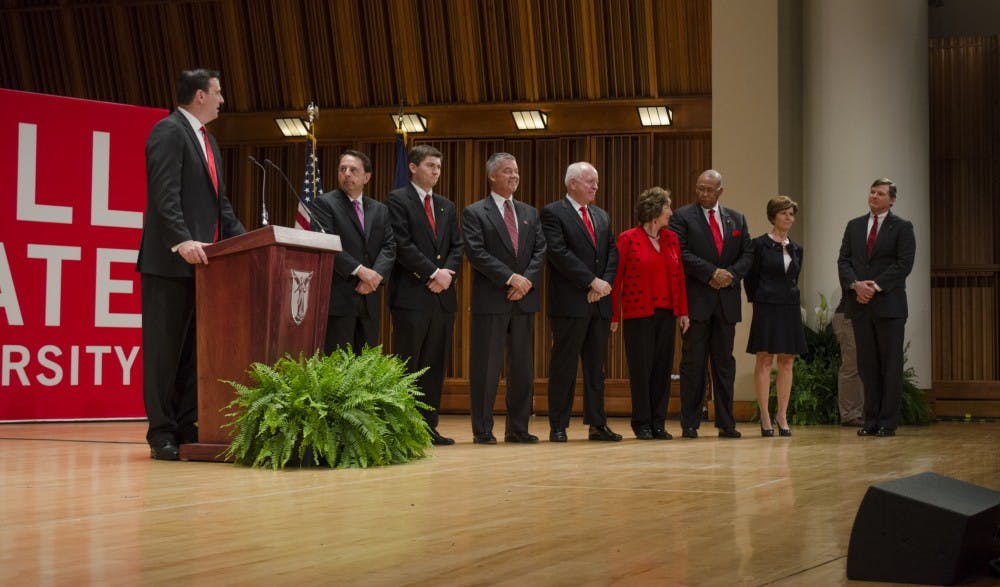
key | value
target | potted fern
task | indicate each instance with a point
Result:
(338, 410)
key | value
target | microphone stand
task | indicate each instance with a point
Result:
(263, 184)
(295, 194)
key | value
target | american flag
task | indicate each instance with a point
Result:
(311, 187)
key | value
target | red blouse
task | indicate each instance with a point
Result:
(648, 279)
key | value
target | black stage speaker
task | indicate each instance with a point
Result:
(924, 529)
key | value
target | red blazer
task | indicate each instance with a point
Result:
(631, 294)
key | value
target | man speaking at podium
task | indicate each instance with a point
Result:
(186, 209)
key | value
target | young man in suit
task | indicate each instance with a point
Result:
(506, 247)
(369, 252)
(186, 209)
(422, 297)
(716, 253)
(876, 256)
(582, 259)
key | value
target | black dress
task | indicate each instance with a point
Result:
(774, 292)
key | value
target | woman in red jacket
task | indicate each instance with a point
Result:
(650, 299)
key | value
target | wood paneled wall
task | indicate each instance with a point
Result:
(280, 55)
(965, 246)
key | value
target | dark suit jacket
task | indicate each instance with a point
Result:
(420, 252)
(491, 254)
(768, 282)
(374, 247)
(181, 203)
(701, 259)
(890, 263)
(574, 260)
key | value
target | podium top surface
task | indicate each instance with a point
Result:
(275, 235)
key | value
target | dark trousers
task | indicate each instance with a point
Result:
(576, 339)
(649, 352)
(170, 372)
(713, 337)
(491, 333)
(880, 365)
(423, 339)
(357, 329)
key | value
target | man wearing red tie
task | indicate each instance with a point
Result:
(582, 258)
(876, 256)
(186, 209)
(506, 248)
(422, 296)
(716, 253)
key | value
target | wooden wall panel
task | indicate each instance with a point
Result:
(965, 247)
(354, 54)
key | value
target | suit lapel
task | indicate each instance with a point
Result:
(493, 214)
(196, 143)
(348, 209)
(577, 220)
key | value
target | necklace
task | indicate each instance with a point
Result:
(652, 236)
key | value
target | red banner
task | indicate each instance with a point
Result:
(72, 194)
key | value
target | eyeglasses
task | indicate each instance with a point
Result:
(706, 188)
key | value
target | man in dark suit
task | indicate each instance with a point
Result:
(506, 247)
(369, 251)
(186, 209)
(716, 252)
(876, 256)
(421, 292)
(582, 258)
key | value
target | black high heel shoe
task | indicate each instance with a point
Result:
(784, 431)
(766, 432)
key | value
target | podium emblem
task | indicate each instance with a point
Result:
(300, 295)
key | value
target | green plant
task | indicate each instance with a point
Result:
(341, 410)
(815, 375)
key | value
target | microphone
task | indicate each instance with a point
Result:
(263, 184)
(295, 195)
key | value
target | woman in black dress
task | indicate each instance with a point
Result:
(776, 330)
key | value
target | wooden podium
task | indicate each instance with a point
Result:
(263, 294)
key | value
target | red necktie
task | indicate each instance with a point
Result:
(508, 219)
(872, 234)
(211, 161)
(716, 233)
(210, 157)
(590, 227)
(430, 213)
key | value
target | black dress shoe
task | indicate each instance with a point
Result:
(484, 438)
(644, 433)
(438, 440)
(521, 437)
(164, 450)
(661, 433)
(558, 435)
(867, 431)
(885, 432)
(603, 433)
(690, 433)
(729, 433)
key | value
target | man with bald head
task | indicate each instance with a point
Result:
(582, 259)
(716, 252)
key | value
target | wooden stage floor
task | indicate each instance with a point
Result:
(82, 503)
